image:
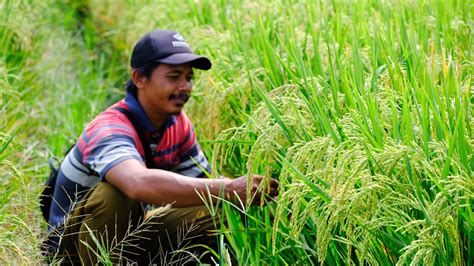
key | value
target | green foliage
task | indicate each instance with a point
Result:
(363, 110)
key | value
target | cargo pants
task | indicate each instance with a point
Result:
(108, 227)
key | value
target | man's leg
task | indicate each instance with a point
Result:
(116, 223)
(106, 217)
(173, 234)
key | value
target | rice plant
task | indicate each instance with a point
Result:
(362, 109)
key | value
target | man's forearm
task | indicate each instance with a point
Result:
(162, 187)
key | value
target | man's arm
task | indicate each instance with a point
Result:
(160, 187)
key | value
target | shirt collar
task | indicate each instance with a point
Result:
(138, 112)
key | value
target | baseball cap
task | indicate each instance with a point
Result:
(167, 47)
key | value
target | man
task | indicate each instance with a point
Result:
(104, 183)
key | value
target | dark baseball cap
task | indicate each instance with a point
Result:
(167, 47)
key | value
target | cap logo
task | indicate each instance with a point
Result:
(179, 41)
(178, 37)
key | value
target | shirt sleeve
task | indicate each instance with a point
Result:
(109, 145)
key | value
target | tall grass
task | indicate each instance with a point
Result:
(44, 105)
(372, 147)
(362, 110)
(19, 222)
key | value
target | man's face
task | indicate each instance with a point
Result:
(168, 89)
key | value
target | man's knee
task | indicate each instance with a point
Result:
(108, 202)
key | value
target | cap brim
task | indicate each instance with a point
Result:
(196, 61)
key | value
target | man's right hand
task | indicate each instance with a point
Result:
(240, 186)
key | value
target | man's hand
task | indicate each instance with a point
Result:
(254, 183)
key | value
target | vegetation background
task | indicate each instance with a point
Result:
(362, 109)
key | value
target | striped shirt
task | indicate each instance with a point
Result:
(110, 139)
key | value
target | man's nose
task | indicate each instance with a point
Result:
(185, 84)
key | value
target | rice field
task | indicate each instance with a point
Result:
(363, 110)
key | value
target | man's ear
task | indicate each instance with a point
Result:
(138, 78)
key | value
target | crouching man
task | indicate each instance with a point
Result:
(140, 152)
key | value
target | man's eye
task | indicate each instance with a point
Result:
(189, 78)
(173, 77)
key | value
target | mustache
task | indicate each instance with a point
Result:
(180, 95)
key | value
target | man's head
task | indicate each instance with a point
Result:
(162, 73)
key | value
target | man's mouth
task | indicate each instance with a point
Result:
(181, 97)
